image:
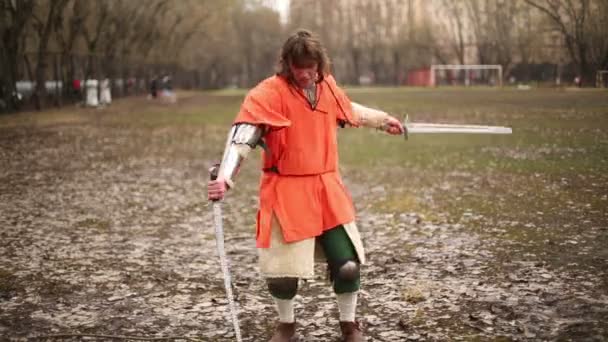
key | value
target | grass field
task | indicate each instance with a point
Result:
(551, 172)
(543, 184)
(537, 197)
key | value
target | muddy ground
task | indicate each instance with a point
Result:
(105, 230)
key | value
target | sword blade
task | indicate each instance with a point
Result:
(219, 238)
(416, 128)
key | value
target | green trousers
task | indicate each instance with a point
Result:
(338, 249)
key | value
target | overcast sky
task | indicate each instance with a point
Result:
(280, 5)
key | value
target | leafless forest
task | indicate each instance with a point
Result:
(213, 44)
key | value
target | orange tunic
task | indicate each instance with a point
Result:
(306, 194)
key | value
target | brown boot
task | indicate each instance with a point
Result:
(285, 332)
(351, 332)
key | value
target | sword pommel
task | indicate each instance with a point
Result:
(214, 171)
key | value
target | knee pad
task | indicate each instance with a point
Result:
(282, 288)
(345, 270)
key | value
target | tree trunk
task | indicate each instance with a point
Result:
(18, 13)
(398, 79)
(55, 9)
(9, 78)
(355, 54)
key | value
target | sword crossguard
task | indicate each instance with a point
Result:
(405, 121)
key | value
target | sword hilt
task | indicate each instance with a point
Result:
(213, 174)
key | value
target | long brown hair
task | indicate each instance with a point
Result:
(302, 49)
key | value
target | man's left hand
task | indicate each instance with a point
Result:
(393, 126)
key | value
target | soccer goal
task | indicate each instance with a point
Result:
(601, 79)
(467, 75)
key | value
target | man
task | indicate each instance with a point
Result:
(76, 88)
(105, 92)
(304, 206)
(153, 87)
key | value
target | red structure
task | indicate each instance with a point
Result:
(419, 77)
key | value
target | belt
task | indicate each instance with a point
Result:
(272, 169)
(275, 169)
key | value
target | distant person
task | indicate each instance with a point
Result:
(303, 201)
(167, 83)
(92, 91)
(105, 94)
(130, 85)
(77, 89)
(167, 90)
(153, 87)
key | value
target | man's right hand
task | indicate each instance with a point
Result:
(216, 189)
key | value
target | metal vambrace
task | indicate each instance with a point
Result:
(369, 117)
(242, 138)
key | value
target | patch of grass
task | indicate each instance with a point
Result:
(213, 114)
(398, 203)
(95, 224)
(413, 295)
(419, 317)
(50, 117)
(542, 185)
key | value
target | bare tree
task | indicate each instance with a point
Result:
(354, 46)
(43, 25)
(493, 28)
(597, 36)
(92, 31)
(236, 41)
(14, 18)
(480, 20)
(571, 19)
(259, 33)
(455, 27)
(67, 31)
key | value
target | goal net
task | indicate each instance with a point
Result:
(466, 75)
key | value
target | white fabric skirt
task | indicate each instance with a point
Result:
(296, 259)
